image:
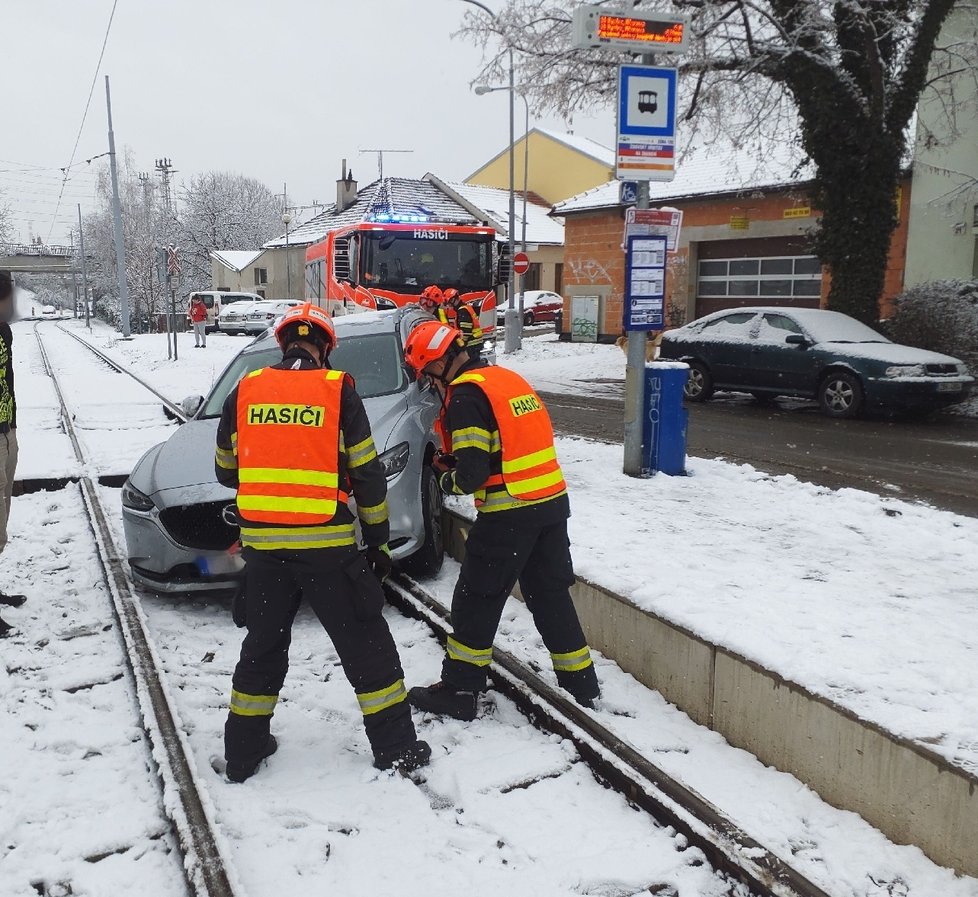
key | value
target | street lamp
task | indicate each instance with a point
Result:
(512, 318)
(482, 90)
(286, 220)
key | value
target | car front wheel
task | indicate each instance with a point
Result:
(427, 560)
(840, 395)
(699, 385)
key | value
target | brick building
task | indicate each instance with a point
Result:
(743, 242)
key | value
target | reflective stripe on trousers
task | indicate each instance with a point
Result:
(252, 705)
(480, 657)
(375, 701)
(572, 661)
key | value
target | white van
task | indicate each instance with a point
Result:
(215, 300)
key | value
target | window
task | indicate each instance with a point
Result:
(774, 328)
(736, 325)
(314, 280)
(261, 276)
(783, 277)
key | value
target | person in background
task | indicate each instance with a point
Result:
(8, 427)
(198, 315)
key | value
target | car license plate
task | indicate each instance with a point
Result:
(949, 387)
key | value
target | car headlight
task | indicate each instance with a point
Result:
(395, 459)
(962, 369)
(905, 370)
(134, 499)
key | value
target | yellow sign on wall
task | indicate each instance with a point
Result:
(797, 212)
(739, 222)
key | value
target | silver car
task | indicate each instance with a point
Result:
(264, 314)
(178, 519)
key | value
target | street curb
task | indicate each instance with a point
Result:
(909, 792)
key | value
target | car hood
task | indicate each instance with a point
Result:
(181, 470)
(889, 353)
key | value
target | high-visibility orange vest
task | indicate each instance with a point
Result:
(530, 471)
(288, 446)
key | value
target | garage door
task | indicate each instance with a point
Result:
(732, 280)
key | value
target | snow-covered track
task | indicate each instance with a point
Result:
(203, 864)
(729, 849)
(173, 409)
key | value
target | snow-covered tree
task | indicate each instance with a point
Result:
(840, 77)
(6, 226)
(221, 210)
(941, 316)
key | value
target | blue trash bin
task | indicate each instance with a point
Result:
(665, 418)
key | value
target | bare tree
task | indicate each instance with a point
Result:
(840, 77)
(221, 210)
(6, 226)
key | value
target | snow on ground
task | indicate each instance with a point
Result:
(319, 819)
(76, 802)
(591, 369)
(867, 600)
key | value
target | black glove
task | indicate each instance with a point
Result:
(379, 561)
(442, 462)
(239, 608)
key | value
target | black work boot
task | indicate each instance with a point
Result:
(5, 628)
(240, 772)
(12, 600)
(405, 758)
(445, 700)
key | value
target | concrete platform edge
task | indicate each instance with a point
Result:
(912, 794)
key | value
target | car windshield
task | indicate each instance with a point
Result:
(403, 263)
(373, 359)
(834, 327)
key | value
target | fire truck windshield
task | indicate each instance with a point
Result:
(407, 262)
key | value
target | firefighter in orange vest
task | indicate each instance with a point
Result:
(447, 307)
(502, 452)
(294, 440)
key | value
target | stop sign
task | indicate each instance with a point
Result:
(521, 263)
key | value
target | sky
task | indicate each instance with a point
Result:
(279, 91)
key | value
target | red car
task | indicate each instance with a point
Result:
(539, 306)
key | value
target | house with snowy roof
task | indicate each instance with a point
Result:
(744, 240)
(240, 271)
(553, 165)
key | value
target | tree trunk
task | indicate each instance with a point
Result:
(859, 216)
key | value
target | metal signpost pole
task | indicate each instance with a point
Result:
(513, 322)
(635, 379)
(120, 251)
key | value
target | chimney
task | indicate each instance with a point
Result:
(346, 190)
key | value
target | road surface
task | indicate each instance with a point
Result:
(933, 460)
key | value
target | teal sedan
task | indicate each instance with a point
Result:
(812, 353)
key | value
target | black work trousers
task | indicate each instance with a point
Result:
(504, 547)
(276, 582)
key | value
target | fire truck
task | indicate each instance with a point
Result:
(386, 262)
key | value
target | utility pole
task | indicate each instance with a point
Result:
(166, 169)
(74, 273)
(380, 157)
(84, 267)
(120, 251)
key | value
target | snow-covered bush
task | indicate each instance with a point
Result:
(941, 315)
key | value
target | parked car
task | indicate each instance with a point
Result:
(847, 366)
(539, 306)
(49, 311)
(177, 518)
(215, 300)
(231, 319)
(262, 314)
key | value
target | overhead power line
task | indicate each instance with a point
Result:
(88, 103)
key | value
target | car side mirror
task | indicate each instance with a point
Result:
(191, 405)
(797, 339)
(410, 372)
